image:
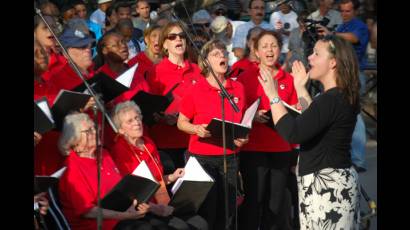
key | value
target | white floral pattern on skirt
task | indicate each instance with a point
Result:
(329, 199)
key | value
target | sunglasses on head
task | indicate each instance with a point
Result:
(172, 37)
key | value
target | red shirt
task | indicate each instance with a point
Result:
(240, 66)
(66, 78)
(262, 138)
(78, 189)
(55, 63)
(45, 89)
(127, 156)
(196, 106)
(144, 63)
(161, 78)
(47, 158)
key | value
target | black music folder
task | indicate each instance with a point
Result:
(66, 102)
(43, 183)
(43, 120)
(150, 104)
(191, 190)
(232, 130)
(107, 87)
(292, 111)
(129, 188)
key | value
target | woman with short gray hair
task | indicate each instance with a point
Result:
(78, 184)
(130, 149)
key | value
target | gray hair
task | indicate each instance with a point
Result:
(71, 133)
(122, 108)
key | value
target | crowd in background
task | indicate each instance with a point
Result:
(241, 41)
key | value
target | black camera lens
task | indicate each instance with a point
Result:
(286, 25)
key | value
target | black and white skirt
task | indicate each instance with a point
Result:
(329, 199)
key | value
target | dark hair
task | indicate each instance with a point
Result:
(124, 23)
(255, 29)
(356, 3)
(347, 67)
(302, 16)
(108, 14)
(251, 1)
(206, 49)
(122, 5)
(276, 35)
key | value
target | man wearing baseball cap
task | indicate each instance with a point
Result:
(78, 45)
(98, 16)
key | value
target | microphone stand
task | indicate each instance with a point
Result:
(224, 94)
(98, 105)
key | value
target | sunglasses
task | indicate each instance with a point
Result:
(172, 37)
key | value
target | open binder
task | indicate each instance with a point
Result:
(42, 183)
(107, 87)
(139, 185)
(190, 191)
(151, 103)
(232, 130)
(66, 102)
(43, 120)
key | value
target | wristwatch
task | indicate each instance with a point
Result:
(274, 100)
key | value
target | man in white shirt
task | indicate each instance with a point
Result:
(257, 13)
(98, 16)
(326, 11)
(284, 21)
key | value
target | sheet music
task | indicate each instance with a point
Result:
(193, 172)
(59, 172)
(142, 170)
(250, 114)
(127, 76)
(43, 105)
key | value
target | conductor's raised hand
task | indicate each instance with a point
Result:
(201, 130)
(300, 77)
(267, 82)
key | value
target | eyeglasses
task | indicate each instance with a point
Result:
(117, 44)
(89, 131)
(219, 54)
(329, 39)
(172, 37)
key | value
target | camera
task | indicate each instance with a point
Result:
(311, 35)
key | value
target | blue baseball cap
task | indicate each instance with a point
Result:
(74, 38)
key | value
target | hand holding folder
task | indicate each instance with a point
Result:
(232, 130)
(191, 189)
(151, 104)
(139, 185)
